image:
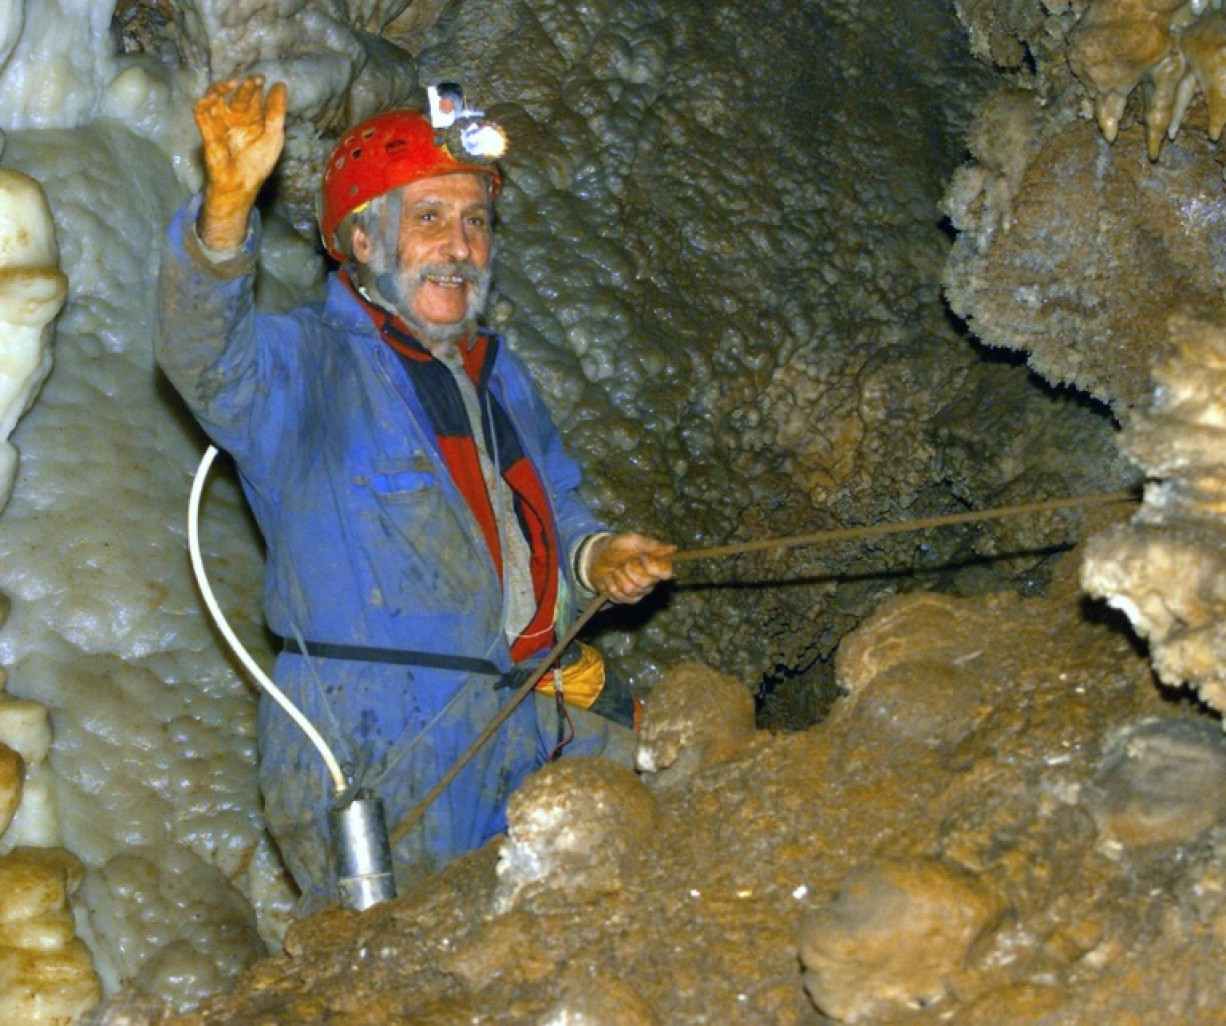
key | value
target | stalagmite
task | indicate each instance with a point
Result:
(569, 828)
(46, 972)
(694, 717)
(1159, 782)
(32, 290)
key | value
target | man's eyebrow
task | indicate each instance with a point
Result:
(427, 202)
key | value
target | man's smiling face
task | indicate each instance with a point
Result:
(445, 241)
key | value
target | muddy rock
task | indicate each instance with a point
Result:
(503, 948)
(892, 935)
(1160, 782)
(127, 1009)
(846, 871)
(595, 999)
(570, 828)
(693, 718)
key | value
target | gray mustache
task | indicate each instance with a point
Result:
(462, 269)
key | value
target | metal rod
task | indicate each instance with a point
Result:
(720, 551)
(525, 689)
(900, 527)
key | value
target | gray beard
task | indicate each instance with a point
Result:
(397, 291)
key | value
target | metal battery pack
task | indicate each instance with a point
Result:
(362, 855)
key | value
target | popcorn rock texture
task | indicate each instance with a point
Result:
(1133, 234)
(742, 336)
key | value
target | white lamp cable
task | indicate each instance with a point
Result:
(261, 678)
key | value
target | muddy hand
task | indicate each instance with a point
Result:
(625, 567)
(243, 134)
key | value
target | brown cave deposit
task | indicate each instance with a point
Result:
(777, 268)
(958, 816)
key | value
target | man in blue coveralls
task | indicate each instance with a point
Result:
(424, 532)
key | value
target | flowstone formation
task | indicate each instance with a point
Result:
(994, 826)
(46, 971)
(149, 779)
(1165, 569)
(1080, 232)
(32, 292)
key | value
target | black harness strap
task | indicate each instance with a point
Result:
(409, 657)
(393, 656)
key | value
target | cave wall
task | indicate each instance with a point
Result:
(722, 246)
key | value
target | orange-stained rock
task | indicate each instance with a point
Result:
(12, 777)
(892, 935)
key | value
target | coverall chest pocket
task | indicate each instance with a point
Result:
(418, 549)
(392, 485)
(393, 478)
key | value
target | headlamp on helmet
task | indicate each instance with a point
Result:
(466, 133)
(397, 147)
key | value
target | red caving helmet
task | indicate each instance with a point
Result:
(384, 153)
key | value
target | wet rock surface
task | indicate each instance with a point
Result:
(954, 875)
(721, 255)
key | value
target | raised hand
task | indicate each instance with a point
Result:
(243, 133)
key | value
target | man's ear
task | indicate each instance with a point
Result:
(359, 246)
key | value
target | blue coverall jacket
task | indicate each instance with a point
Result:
(369, 543)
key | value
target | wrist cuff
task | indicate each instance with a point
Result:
(220, 256)
(583, 553)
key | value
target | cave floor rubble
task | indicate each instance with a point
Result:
(995, 736)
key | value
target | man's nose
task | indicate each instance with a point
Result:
(455, 241)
